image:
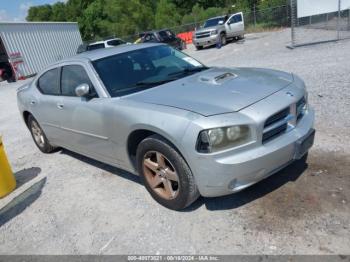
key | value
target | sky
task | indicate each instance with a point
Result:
(16, 10)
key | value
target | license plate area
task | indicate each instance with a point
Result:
(303, 145)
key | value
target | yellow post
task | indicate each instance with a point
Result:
(7, 179)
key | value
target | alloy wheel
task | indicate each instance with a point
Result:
(161, 175)
(38, 134)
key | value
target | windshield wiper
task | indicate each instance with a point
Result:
(189, 70)
(147, 84)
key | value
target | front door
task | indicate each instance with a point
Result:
(235, 25)
(84, 125)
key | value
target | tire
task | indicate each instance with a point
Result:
(39, 136)
(164, 160)
(11, 80)
(198, 47)
(240, 37)
(223, 39)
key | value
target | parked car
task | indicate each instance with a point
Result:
(219, 28)
(185, 128)
(165, 36)
(111, 42)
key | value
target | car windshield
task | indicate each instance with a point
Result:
(133, 71)
(213, 22)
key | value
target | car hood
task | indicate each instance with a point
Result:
(217, 90)
(207, 29)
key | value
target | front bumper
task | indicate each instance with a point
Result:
(223, 174)
(206, 41)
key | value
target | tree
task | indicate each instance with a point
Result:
(58, 12)
(166, 15)
(40, 13)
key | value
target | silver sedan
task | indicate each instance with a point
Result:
(186, 129)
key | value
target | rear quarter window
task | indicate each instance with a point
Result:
(48, 83)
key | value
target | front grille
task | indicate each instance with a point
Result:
(202, 35)
(277, 117)
(267, 136)
(275, 125)
(300, 108)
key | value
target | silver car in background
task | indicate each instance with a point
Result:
(186, 129)
(220, 28)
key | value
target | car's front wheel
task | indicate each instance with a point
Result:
(39, 136)
(223, 39)
(165, 173)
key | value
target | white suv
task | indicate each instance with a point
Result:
(112, 42)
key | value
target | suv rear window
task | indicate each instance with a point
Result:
(115, 42)
(95, 46)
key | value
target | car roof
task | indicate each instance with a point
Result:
(105, 52)
(103, 41)
(217, 17)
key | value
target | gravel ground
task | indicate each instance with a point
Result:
(80, 206)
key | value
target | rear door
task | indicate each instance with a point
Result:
(235, 25)
(44, 105)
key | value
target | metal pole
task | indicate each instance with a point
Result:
(292, 3)
(254, 16)
(338, 21)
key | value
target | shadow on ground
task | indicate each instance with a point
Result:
(108, 168)
(26, 175)
(289, 174)
(25, 199)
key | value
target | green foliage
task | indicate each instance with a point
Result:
(101, 18)
(40, 13)
(166, 15)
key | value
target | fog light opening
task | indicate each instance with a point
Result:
(232, 184)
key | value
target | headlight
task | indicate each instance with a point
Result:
(214, 32)
(217, 139)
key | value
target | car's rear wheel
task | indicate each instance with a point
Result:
(165, 173)
(198, 47)
(39, 136)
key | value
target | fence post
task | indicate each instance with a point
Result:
(292, 21)
(254, 16)
(338, 21)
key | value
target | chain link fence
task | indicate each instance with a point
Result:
(255, 21)
(313, 29)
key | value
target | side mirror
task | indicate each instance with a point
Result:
(82, 90)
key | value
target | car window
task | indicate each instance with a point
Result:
(48, 83)
(96, 46)
(236, 18)
(136, 70)
(73, 76)
(115, 42)
(149, 37)
(166, 34)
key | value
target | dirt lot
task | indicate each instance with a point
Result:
(76, 205)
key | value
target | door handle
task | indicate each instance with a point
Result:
(60, 106)
(32, 102)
